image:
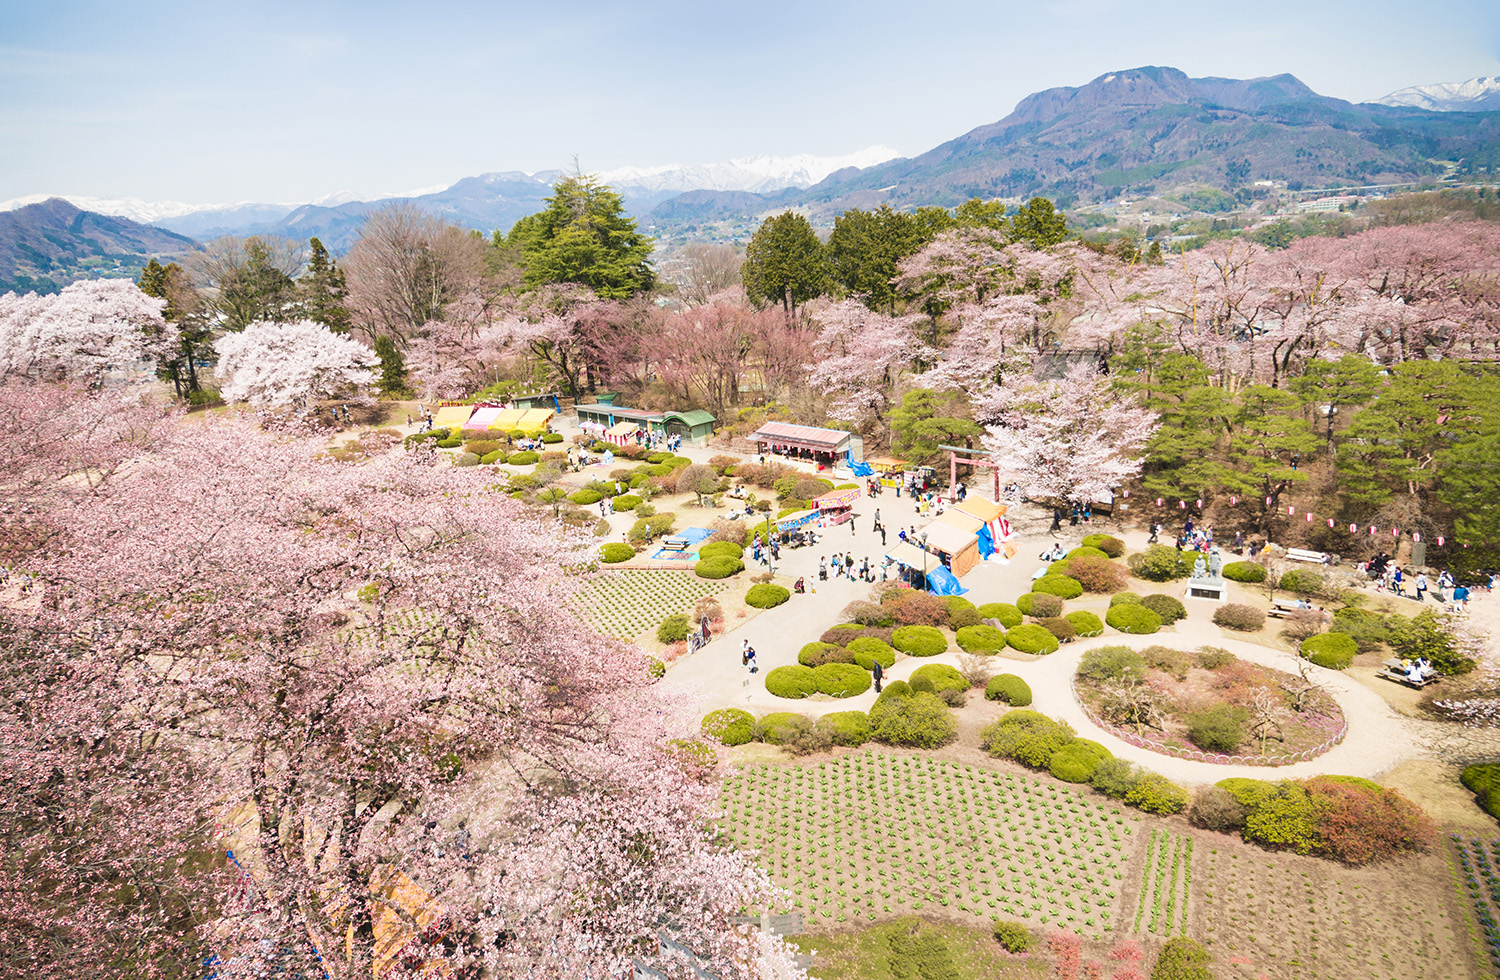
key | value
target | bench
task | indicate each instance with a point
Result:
(674, 544)
(1302, 554)
(1282, 608)
(1392, 670)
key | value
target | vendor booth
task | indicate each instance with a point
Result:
(887, 469)
(954, 547)
(695, 426)
(621, 433)
(796, 519)
(836, 506)
(483, 418)
(826, 447)
(535, 421)
(996, 533)
(452, 417)
(508, 419)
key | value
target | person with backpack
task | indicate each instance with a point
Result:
(879, 672)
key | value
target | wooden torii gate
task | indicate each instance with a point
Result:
(984, 460)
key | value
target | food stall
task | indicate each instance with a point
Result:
(955, 547)
(836, 506)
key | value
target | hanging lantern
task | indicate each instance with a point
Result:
(1182, 505)
(1372, 528)
(1233, 500)
(1353, 528)
(1309, 517)
(1440, 540)
(1200, 503)
(1416, 535)
(1290, 511)
(1158, 501)
(1268, 501)
(1330, 522)
(1395, 532)
(1124, 493)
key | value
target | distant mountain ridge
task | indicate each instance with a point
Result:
(48, 245)
(1474, 95)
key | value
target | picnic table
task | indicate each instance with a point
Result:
(1394, 670)
(1282, 608)
(1303, 554)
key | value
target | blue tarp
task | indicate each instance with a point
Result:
(862, 469)
(942, 582)
(986, 542)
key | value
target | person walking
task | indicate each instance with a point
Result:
(851, 525)
(882, 535)
(1057, 516)
(1421, 586)
(822, 572)
(749, 659)
(707, 633)
(879, 673)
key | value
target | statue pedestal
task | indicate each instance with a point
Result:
(1212, 589)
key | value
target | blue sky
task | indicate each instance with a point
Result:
(276, 101)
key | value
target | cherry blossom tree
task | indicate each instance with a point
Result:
(286, 365)
(372, 684)
(862, 359)
(1076, 439)
(89, 328)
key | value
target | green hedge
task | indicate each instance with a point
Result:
(1161, 563)
(1303, 581)
(731, 726)
(1012, 936)
(498, 456)
(942, 677)
(673, 629)
(1083, 550)
(1107, 543)
(1131, 618)
(1008, 688)
(1007, 614)
(1182, 959)
(841, 680)
(811, 654)
(1031, 638)
(919, 641)
(551, 438)
(1333, 650)
(911, 719)
(627, 501)
(1029, 737)
(1169, 608)
(715, 548)
(616, 552)
(981, 639)
(1244, 571)
(1076, 761)
(1155, 793)
(1124, 599)
(1040, 604)
(1058, 585)
(766, 595)
(1085, 623)
(1483, 781)
(778, 727)
(851, 728)
(867, 650)
(585, 497)
(523, 458)
(466, 459)
(719, 566)
(793, 681)
(453, 443)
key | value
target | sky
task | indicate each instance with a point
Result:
(287, 102)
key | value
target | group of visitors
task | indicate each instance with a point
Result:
(845, 567)
(1075, 514)
(654, 440)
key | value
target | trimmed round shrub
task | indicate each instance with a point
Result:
(1369, 629)
(678, 462)
(815, 653)
(778, 727)
(719, 566)
(981, 639)
(1155, 793)
(1333, 650)
(1244, 571)
(919, 641)
(1085, 551)
(1107, 543)
(1237, 616)
(851, 728)
(895, 689)
(1008, 688)
(956, 603)
(1075, 762)
(1182, 959)
(627, 501)
(552, 438)
(1160, 563)
(1131, 618)
(963, 617)
(942, 677)
(732, 726)
(1029, 737)
(842, 634)
(867, 651)
(1097, 574)
(1060, 567)
(1124, 599)
(585, 497)
(466, 459)
(1219, 729)
(615, 551)
(673, 629)
(1030, 638)
(913, 608)
(716, 548)
(452, 443)
(1058, 585)
(1007, 614)
(766, 595)
(915, 719)
(1111, 663)
(1012, 936)
(1039, 604)
(842, 680)
(1302, 581)
(793, 681)
(1169, 608)
(524, 458)
(1085, 623)
(497, 456)
(1059, 627)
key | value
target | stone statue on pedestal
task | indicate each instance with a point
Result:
(1200, 570)
(1215, 562)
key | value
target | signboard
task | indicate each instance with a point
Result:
(838, 498)
(792, 521)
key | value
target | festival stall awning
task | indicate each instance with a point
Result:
(795, 520)
(887, 464)
(535, 420)
(836, 498)
(964, 522)
(484, 416)
(946, 538)
(912, 557)
(509, 418)
(984, 510)
(452, 417)
(802, 437)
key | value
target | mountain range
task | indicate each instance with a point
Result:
(47, 245)
(1201, 143)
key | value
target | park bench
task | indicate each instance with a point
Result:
(674, 543)
(1282, 608)
(1302, 554)
(1392, 670)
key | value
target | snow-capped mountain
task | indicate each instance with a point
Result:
(759, 174)
(1475, 95)
(144, 212)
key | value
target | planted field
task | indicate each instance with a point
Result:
(1481, 885)
(1165, 885)
(626, 603)
(1285, 917)
(874, 836)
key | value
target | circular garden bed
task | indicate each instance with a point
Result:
(1208, 706)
